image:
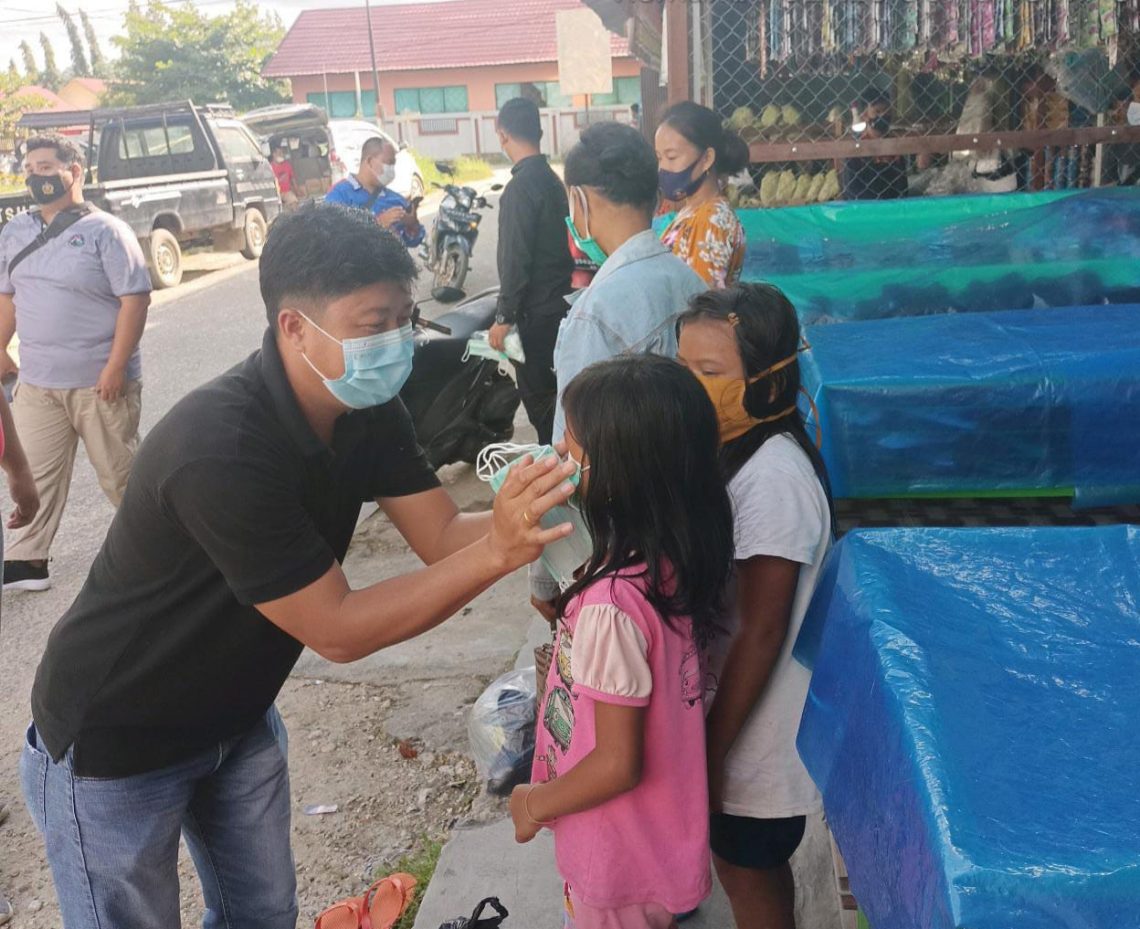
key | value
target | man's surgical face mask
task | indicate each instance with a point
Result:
(376, 367)
(1133, 113)
(385, 173)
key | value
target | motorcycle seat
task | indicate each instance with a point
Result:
(463, 325)
(465, 320)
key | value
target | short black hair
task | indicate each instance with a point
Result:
(373, 146)
(618, 162)
(324, 251)
(65, 150)
(519, 118)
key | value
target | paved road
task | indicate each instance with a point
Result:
(195, 333)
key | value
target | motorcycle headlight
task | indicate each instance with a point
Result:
(448, 203)
(465, 202)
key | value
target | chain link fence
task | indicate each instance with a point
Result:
(870, 98)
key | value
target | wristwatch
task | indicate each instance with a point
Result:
(501, 320)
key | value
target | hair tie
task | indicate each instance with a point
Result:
(733, 320)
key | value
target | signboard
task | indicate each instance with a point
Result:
(585, 58)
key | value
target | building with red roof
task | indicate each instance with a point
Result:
(455, 56)
(45, 100)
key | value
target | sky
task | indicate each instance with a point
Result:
(25, 19)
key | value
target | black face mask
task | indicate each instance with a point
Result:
(47, 188)
(881, 124)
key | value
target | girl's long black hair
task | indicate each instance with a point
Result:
(767, 331)
(655, 493)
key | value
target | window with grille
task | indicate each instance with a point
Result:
(626, 90)
(543, 93)
(427, 100)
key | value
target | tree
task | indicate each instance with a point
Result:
(31, 69)
(49, 76)
(13, 73)
(12, 107)
(79, 66)
(177, 53)
(98, 62)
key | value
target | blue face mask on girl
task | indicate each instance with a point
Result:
(565, 556)
(375, 367)
(588, 245)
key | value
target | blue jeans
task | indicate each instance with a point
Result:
(112, 843)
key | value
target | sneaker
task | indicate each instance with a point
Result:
(5, 910)
(25, 575)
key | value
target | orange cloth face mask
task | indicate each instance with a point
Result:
(727, 395)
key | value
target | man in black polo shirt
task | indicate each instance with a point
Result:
(153, 704)
(534, 261)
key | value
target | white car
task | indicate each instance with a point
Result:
(348, 138)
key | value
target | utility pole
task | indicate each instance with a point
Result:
(375, 70)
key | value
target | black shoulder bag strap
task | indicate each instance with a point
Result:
(58, 226)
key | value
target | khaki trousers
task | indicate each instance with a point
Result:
(50, 424)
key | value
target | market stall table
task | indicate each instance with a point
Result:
(971, 724)
(842, 262)
(1021, 402)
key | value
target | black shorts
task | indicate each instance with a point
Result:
(760, 844)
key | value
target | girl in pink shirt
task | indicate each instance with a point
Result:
(619, 772)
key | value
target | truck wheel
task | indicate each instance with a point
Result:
(255, 230)
(164, 256)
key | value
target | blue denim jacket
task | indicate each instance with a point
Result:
(631, 307)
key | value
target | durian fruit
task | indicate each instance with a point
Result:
(742, 118)
(803, 185)
(768, 186)
(771, 116)
(830, 189)
(787, 186)
(790, 115)
(816, 186)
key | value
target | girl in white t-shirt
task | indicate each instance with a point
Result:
(743, 344)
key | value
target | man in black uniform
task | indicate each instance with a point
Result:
(153, 704)
(534, 260)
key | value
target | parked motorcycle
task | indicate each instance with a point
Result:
(458, 407)
(447, 249)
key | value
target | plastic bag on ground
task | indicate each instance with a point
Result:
(501, 729)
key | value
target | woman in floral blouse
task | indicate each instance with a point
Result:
(695, 154)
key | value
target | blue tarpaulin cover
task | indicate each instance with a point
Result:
(972, 721)
(1017, 402)
(839, 262)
